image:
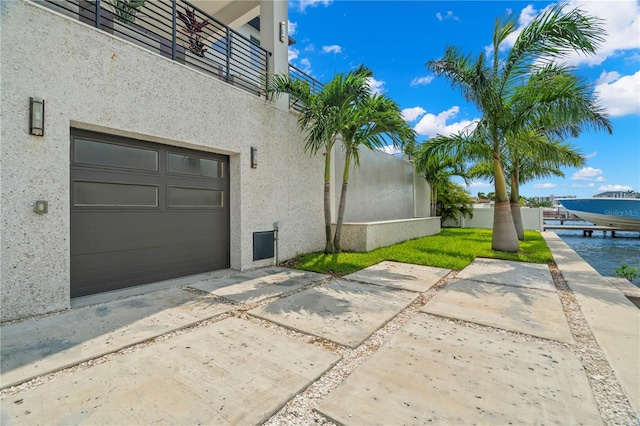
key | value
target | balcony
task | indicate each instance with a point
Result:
(298, 74)
(180, 31)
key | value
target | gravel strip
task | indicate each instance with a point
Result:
(613, 404)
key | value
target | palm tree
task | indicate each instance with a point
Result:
(491, 86)
(454, 202)
(551, 106)
(437, 169)
(321, 116)
(369, 124)
(543, 158)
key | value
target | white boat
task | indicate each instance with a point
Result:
(621, 213)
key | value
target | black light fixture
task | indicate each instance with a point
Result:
(283, 31)
(254, 157)
(36, 116)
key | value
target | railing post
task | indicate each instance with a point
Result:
(228, 62)
(174, 30)
(266, 74)
(98, 14)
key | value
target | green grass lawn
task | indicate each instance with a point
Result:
(452, 248)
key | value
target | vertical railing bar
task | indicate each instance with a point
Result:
(228, 62)
(174, 30)
(266, 73)
(98, 13)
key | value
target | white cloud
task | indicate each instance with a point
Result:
(334, 48)
(293, 54)
(586, 173)
(303, 4)
(431, 125)
(376, 85)
(293, 26)
(421, 80)
(621, 24)
(615, 188)
(412, 114)
(593, 154)
(600, 179)
(620, 95)
(545, 185)
(479, 184)
(448, 15)
(578, 185)
(390, 149)
(305, 66)
(309, 48)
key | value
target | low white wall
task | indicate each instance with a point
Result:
(483, 218)
(367, 236)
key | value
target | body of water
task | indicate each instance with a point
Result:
(602, 251)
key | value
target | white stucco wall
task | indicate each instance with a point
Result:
(382, 188)
(95, 81)
(483, 218)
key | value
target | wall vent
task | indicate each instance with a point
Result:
(263, 245)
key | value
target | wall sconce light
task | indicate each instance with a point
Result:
(41, 207)
(283, 31)
(36, 116)
(254, 157)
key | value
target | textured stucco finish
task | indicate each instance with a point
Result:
(383, 187)
(367, 236)
(95, 81)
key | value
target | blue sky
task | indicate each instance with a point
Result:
(396, 38)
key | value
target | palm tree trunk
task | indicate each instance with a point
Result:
(515, 207)
(329, 248)
(432, 201)
(343, 202)
(504, 237)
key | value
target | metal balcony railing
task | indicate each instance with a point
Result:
(298, 74)
(180, 31)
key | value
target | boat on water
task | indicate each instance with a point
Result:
(621, 213)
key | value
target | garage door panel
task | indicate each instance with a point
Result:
(142, 266)
(105, 232)
(143, 261)
(122, 234)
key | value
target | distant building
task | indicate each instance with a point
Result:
(618, 194)
(551, 198)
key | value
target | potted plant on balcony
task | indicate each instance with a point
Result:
(126, 10)
(193, 28)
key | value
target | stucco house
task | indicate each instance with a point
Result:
(136, 149)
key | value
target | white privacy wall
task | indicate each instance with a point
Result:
(483, 218)
(95, 81)
(384, 187)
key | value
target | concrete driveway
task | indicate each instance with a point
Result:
(217, 351)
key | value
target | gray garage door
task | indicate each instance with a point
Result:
(144, 212)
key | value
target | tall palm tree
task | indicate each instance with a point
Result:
(490, 85)
(369, 124)
(552, 105)
(533, 156)
(321, 117)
